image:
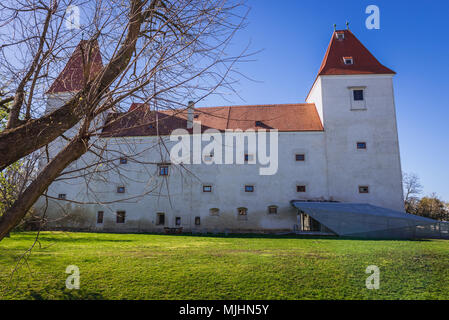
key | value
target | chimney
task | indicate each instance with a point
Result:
(190, 110)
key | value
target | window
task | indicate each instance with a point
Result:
(300, 157)
(249, 188)
(121, 216)
(363, 189)
(361, 145)
(207, 189)
(123, 160)
(178, 221)
(272, 209)
(242, 211)
(300, 188)
(214, 211)
(197, 221)
(163, 170)
(120, 189)
(340, 35)
(100, 215)
(160, 219)
(62, 196)
(358, 95)
(348, 60)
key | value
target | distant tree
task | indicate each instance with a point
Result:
(432, 207)
(412, 188)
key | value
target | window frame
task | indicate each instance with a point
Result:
(197, 221)
(178, 221)
(299, 187)
(273, 207)
(158, 218)
(123, 160)
(250, 187)
(100, 217)
(164, 167)
(299, 155)
(354, 94)
(348, 61)
(120, 188)
(120, 215)
(364, 187)
(207, 186)
(361, 145)
(62, 196)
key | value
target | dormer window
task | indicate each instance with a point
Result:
(348, 60)
(340, 35)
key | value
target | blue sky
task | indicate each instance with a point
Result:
(413, 40)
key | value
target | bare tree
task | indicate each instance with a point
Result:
(156, 52)
(412, 188)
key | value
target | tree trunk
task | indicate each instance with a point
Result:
(73, 151)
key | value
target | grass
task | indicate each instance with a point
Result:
(133, 266)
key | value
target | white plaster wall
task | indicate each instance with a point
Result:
(379, 166)
(180, 194)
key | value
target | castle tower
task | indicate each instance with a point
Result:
(354, 96)
(70, 81)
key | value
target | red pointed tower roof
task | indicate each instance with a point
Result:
(344, 45)
(71, 79)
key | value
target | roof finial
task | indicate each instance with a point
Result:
(335, 27)
(347, 25)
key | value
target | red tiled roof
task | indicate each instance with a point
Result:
(71, 78)
(350, 46)
(140, 121)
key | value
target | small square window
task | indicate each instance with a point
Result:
(363, 189)
(348, 60)
(300, 157)
(340, 35)
(242, 211)
(300, 188)
(120, 189)
(100, 215)
(163, 170)
(358, 95)
(361, 145)
(214, 212)
(272, 210)
(178, 221)
(160, 221)
(207, 188)
(197, 221)
(249, 188)
(121, 216)
(62, 196)
(123, 160)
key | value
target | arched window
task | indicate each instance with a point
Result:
(242, 213)
(214, 211)
(272, 209)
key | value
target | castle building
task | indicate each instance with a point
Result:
(339, 147)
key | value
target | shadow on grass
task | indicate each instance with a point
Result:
(285, 236)
(69, 295)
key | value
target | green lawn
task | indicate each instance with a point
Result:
(230, 267)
